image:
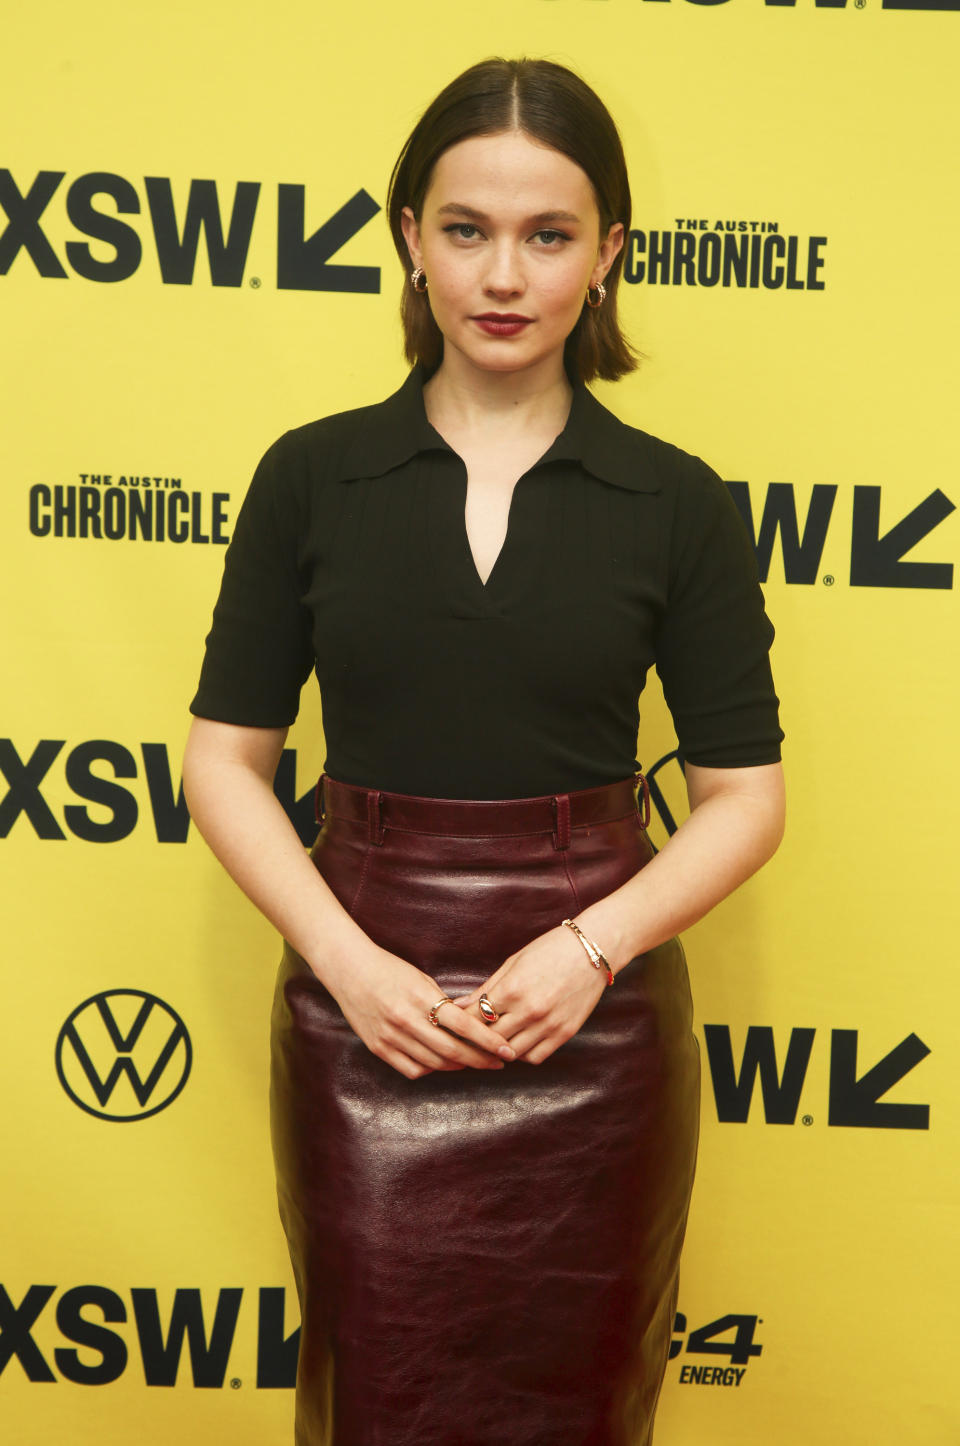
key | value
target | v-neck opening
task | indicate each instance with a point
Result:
(481, 585)
(484, 583)
(509, 536)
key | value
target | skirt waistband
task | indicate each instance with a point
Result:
(553, 813)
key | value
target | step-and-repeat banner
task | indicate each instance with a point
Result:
(193, 258)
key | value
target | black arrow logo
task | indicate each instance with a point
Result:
(875, 561)
(857, 1101)
(302, 260)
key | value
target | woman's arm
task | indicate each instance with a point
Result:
(547, 989)
(228, 774)
(735, 825)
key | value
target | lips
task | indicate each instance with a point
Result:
(502, 323)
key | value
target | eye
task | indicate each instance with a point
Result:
(462, 230)
(551, 238)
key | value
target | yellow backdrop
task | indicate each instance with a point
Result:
(194, 260)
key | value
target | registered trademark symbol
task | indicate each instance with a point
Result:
(235, 1383)
(254, 282)
(828, 579)
(808, 1119)
(860, 4)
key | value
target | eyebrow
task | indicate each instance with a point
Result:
(541, 218)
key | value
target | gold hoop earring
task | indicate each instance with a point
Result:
(416, 277)
(601, 291)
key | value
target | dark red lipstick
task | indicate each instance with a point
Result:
(502, 323)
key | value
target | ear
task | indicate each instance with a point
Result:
(607, 252)
(411, 234)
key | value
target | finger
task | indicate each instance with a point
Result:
(447, 1061)
(541, 1051)
(430, 1044)
(508, 1025)
(531, 1041)
(469, 1023)
(415, 1068)
(466, 1042)
(513, 1013)
(500, 1005)
(404, 1064)
(421, 1053)
(454, 1047)
(437, 1057)
(474, 1030)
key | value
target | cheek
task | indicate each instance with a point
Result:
(564, 286)
(445, 277)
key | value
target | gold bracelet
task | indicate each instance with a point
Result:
(596, 956)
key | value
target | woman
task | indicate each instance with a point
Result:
(484, 1152)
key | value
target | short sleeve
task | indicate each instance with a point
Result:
(713, 644)
(259, 650)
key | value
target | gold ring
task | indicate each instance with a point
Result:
(490, 1014)
(432, 1013)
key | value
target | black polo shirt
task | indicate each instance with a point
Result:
(350, 557)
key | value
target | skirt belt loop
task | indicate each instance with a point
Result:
(318, 808)
(375, 816)
(561, 830)
(643, 785)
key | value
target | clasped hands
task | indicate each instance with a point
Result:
(543, 994)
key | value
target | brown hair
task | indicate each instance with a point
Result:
(554, 106)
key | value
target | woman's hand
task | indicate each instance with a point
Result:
(228, 777)
(543, 994)
(386, 1001)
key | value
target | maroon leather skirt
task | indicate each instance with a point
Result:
(484, 1258)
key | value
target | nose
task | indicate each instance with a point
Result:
(504, 271)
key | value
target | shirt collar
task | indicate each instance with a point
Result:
(397, 429)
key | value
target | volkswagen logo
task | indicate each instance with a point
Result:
(123, 1055)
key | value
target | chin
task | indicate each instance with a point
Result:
(503, 356)
(503, 363)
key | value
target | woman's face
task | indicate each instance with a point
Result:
(509, 239)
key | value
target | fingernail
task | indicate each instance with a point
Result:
(505, 1052)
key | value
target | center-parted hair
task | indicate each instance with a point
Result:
(553, 106)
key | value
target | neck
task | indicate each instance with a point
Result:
(463, 398)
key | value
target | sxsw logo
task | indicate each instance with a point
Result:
(97, 771)
(206, 1333)
(877, 549)
(96, 201)
(855, 1093)
(123, 1055)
